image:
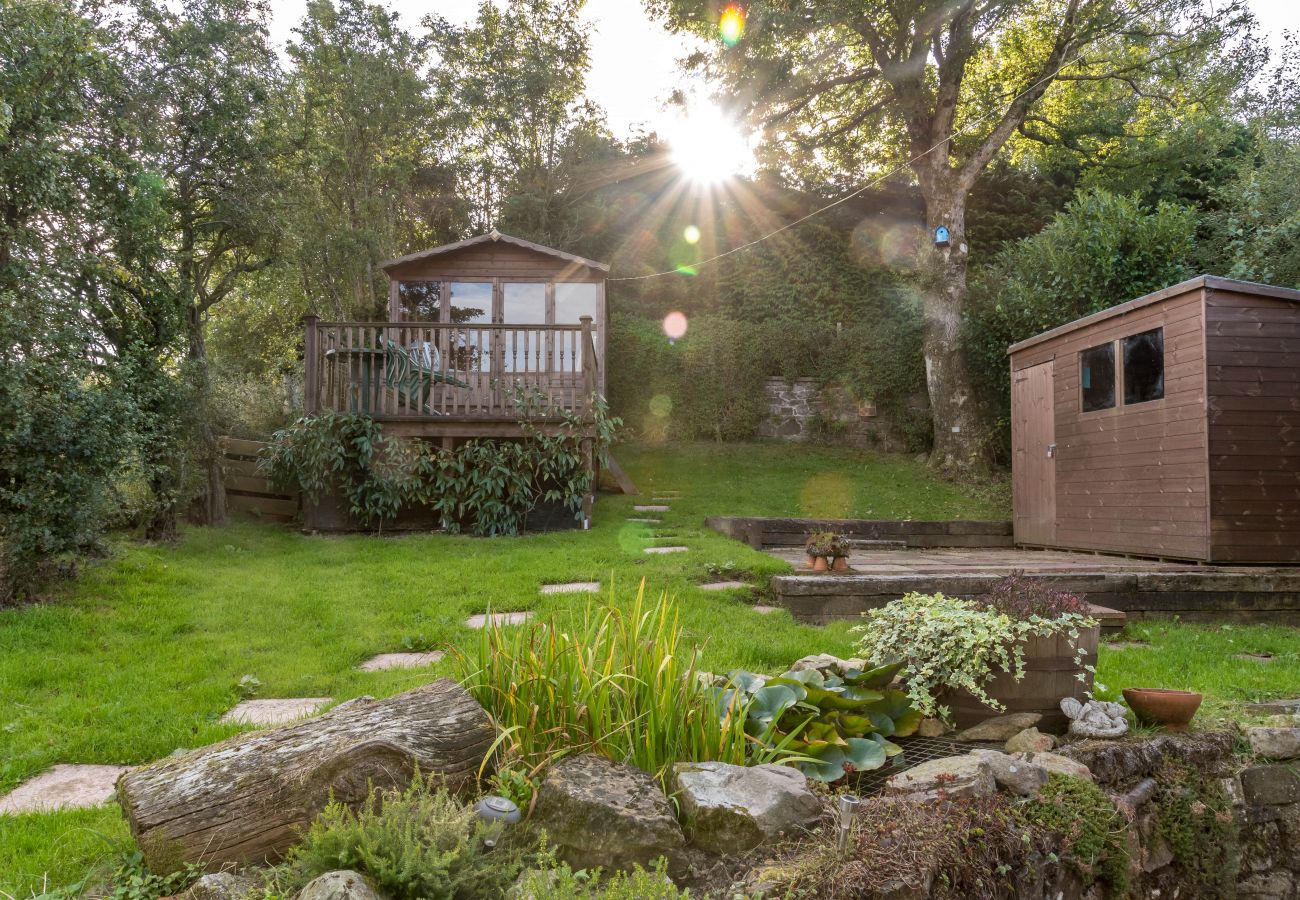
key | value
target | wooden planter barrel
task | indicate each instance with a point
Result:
(1050, 675)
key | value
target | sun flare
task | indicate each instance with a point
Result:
(707, 146)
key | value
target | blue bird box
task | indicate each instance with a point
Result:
(941, 236)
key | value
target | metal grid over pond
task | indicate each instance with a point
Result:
(916, 750)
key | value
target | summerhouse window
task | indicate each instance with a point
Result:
(420, 301)
(1097, 377)
(523, 303)
(1144, 366)
(573, 300)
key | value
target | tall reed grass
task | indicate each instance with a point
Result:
(621, 683)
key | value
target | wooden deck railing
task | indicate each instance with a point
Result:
(425, 369)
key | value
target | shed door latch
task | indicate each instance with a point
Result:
(1051, 451)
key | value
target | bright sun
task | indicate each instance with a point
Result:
(707, 146)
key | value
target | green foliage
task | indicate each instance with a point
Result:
(1090, 832)
(826, 544)
(559, 882)
(622, 682)
(1102, 250)
(415, 844)
(486, 487)
(1194, 817)
(950, 643)
(834, 725)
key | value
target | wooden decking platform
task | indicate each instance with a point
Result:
(1140, 588)
(964, 558)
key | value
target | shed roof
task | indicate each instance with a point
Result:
(1211, 282)
(493, 236)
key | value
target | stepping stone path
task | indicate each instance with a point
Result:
(401, 661)
(647, 521)
(576, 587)
(722, 585)
(274, 712)
(63, 786)
(666, 549)
(478, 620)
(650, 507)
(765, 610)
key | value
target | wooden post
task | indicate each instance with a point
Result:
(588, 360)
(589, 393)
(311, 364)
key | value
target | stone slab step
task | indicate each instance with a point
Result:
(401, 661)
(651, 507)
(572, 587)
(63, 786)
(479, 620)
(666, 549)
(275, 711)
(723, 585)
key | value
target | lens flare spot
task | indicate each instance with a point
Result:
(661, 405)
(731, 25)
(691, 235)
(675, 325)
(826, 495)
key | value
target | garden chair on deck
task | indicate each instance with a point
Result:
(413, 371)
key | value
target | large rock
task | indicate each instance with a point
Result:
(730, 809)
(222, 886)
(1000, 729)
(1270, 785)
(1055, 762)
(1117, 763)
(1013, 774)
(1276, 707)
(601, 813)
(1031, 740)
(344, 884)
(1274, 743)
(952, 778)
(827, 664)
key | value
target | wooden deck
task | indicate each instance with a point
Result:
(1140, 588)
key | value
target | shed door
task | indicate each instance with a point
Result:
(1033, 446)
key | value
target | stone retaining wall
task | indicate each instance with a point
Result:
(804, 409)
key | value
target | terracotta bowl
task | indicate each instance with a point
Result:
(1157, 706)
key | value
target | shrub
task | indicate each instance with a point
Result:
(949, 643)
(559, 882)
(973, 849)
(1022, 598)
(619, 683)
(1086, 826)
(415, 844)
(487, 487)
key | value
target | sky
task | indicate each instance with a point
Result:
(634, 60)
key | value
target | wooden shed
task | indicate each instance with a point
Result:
(1168, 426)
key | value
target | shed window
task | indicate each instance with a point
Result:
(420, 301)
(1097, 377)
(1144, 366)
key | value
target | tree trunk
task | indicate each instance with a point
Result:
(958, 441)
(247, 799)
(212, 507)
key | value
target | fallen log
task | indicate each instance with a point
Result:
(247, 799)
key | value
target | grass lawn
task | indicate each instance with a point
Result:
(142, 655)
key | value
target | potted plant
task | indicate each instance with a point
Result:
(1021, 646)
(827, 551)
(1160, 706)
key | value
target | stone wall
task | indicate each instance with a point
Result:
(803, 409)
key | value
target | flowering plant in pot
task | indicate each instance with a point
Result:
(1021, 646)
(827, 550)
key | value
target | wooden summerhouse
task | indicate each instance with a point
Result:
(476, 331)
(1168, 426)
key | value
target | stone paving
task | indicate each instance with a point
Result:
(276, 711)
(479, 620)
(650, 507)
(666, 549)
(646, 521)
(723, 585)
(574, 587)
(401, 661)
(64, 786)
